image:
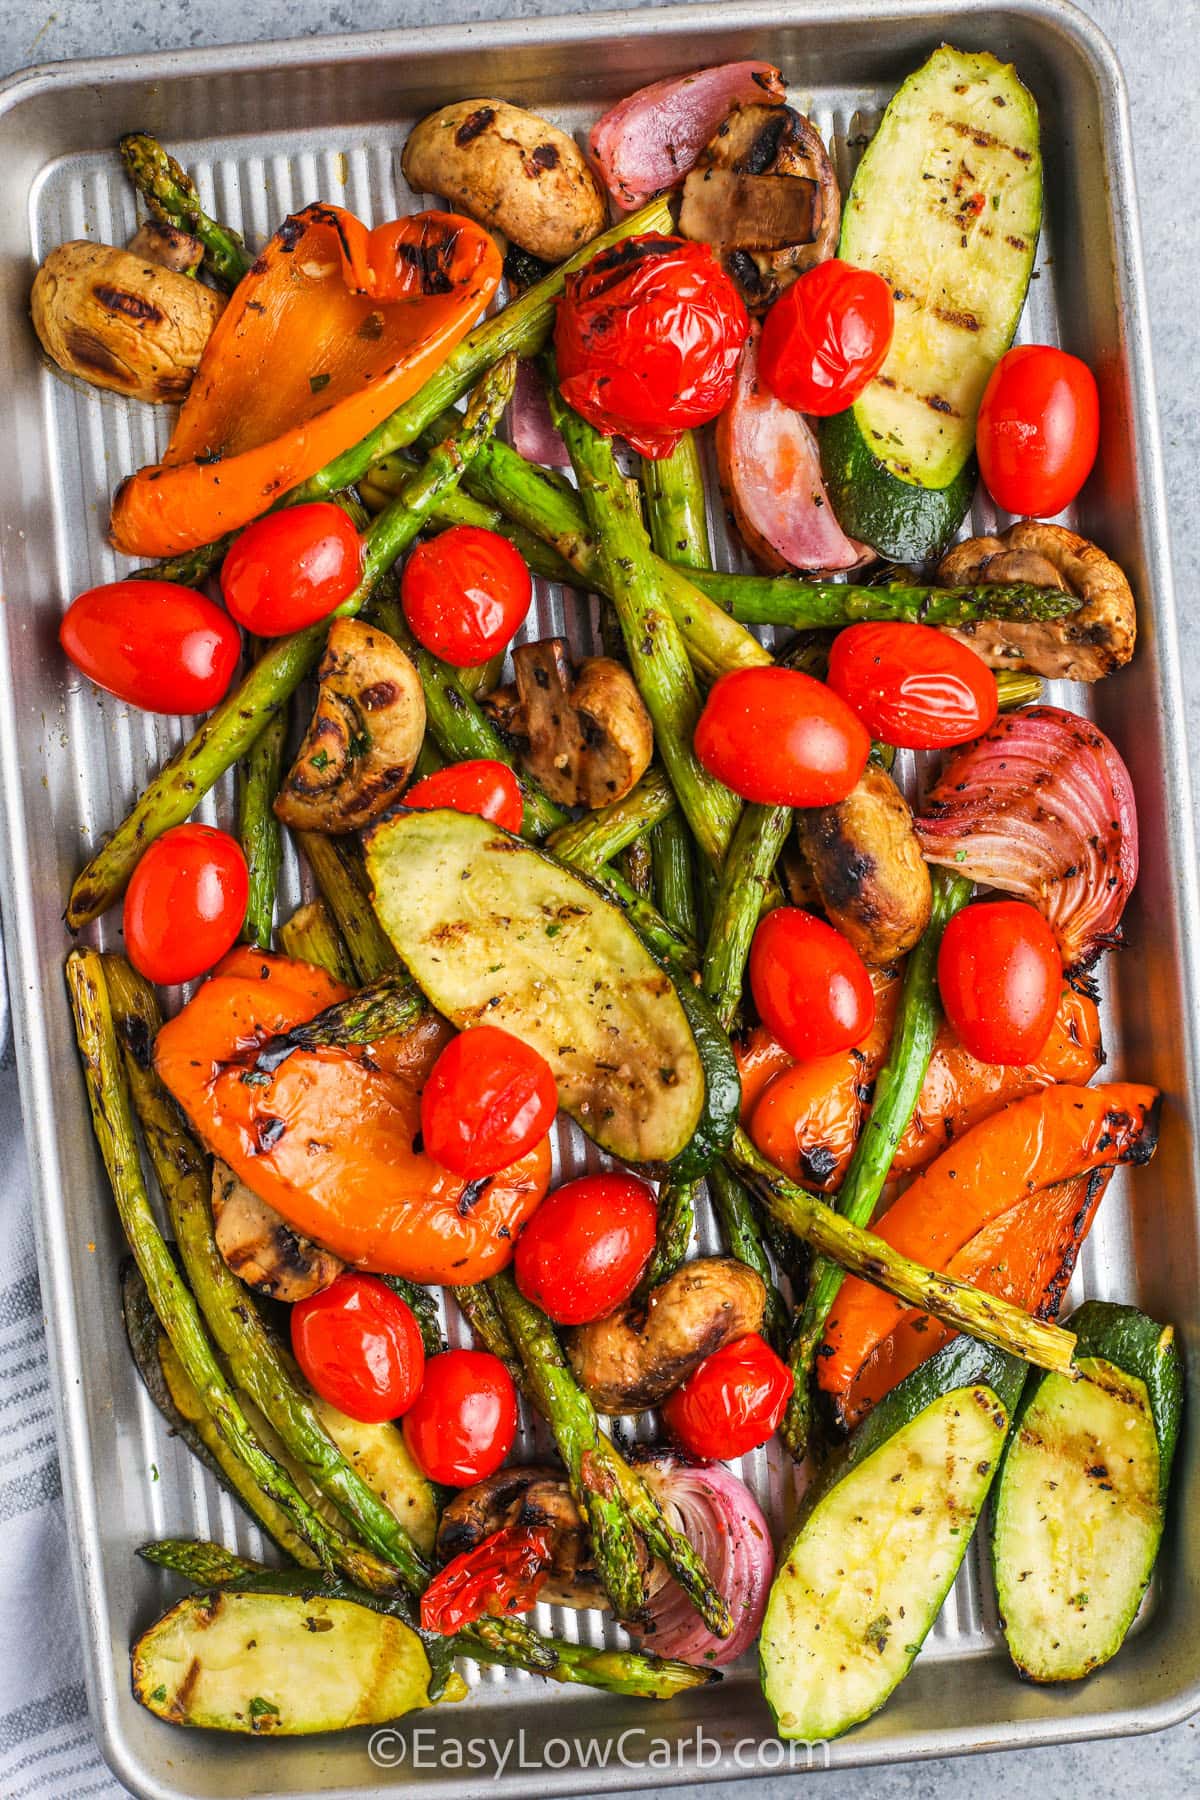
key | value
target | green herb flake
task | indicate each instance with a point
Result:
(159, 1694)
(318, 383)
(960, 856)
(261, 1709)
(320, 759)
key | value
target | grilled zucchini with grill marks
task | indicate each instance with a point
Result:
(495, 931)
(946, 206)
(1082, 1492)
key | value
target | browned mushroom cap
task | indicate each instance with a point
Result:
(868, 868)
(764, 193)
(157, 242)
(365, 734)
(530, 1496)
(638, 1355)
(261, 1248)
(585, 735)
(1085, 646)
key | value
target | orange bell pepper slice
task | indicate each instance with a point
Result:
(1026, 1256)
(331, 330)
(329, 1139)
(1041, 1141)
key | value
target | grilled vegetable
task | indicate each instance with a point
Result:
(258, 778)
(330, 1140)
(584, 734)
(881, 1537)
(338, 871)
(803, 605)
(171, 196)
(279, 1665)
(1086, 645)
(511, 170)
(764, 194)
(364, 736)
(1082, 1494)
(633, 1359)
(530, 1496)
(1042, 807)
(867, 864)
(311, 935)
(946, 205)
(771, 480)
(260, 1246)
(493, 930)
(650, 140)
(121, 321)
(1048, 1138)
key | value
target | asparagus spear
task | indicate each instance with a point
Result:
(800, 605)
(897, 1090)
(760, 836)
(259, 775)
(112, 1120)
(342, 880)
(1014, 689)
(460, 508)
(387, 1007)
(477, 1304)
(171, 195)
(676, 511)
(311, 935)
(229, 732)
(423, 1307)
(656, 650)
(860, 1252)
(673, 1233)
(204, 1565)
(636, 867)
(674, 882)
(743, 1236)
(613, 1496)
(600, 835)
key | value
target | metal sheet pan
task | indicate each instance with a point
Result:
(267, 128)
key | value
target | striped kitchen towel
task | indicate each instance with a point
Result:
(47, 1751)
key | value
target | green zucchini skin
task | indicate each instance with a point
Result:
(841, 1630)
(905, 523)
(946, 205)
(722, 1083)
(1081, 1499)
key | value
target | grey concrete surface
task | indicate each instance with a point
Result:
(1159, 46)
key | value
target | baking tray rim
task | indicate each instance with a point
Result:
(16, 896)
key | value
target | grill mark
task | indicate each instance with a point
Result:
(133, 306)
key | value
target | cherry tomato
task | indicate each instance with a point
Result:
(811, 987)
(584, 1250)
(360, 1347)
(185, 903)
(291, 568)
(489, 1099)
(779, 737)
(484, 787)
(462, 1424)
(465, 593)
(826, 337)
(156, 644)
(1038, 430)
(731, 1403)
(648, 337)
(913, 686)
(1000, 978)
(501, 1576)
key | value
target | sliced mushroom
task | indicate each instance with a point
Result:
(365, 734)
(121, 321)
(867, 865)
(1086, 645)
(584, 733)
(765, 195)
(640, 1354)
(530, 1496)
(157, 242)
(261, 1248)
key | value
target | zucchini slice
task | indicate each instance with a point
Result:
(1082, 1493)
(946, 206)
(496, 931)
(278, 1665)
(880, 1539)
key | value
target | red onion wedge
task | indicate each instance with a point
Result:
(530, 426)
(1041, 806)
(650, 140)
(720, 1516)
(770, 471)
